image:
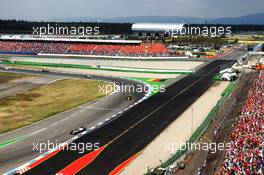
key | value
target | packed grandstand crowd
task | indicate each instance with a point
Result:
(146, 49)
(245, 155)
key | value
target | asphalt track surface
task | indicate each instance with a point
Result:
(23, 85)
(235, 54)
(136, 128)
(57, 129)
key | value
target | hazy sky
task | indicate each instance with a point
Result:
(48, 9)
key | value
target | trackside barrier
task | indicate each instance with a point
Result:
(18, 53)
(180, 154)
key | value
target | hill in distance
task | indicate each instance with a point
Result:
(256, 19)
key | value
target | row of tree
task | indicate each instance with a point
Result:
(185, 40)
(26, 27)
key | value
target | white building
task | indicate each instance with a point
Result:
(153, 29)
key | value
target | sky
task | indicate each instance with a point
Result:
(57, 9)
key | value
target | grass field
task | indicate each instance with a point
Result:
(6, 77)
(46, 101)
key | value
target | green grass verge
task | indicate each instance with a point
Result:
(229, 88)
(24, 63)
(217, 77)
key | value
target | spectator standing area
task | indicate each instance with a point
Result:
(245, 154)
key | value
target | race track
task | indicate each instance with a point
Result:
(121, 138)
(56, 129)
(130, 133)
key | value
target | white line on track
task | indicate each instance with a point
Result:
(100, 123)
(54, 124)
(36, 132)
(106, 120)
(92, 128)
(83, 109)
(73, 114)
(66, 118)
(98, 108)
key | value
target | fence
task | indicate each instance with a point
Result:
(235, 94)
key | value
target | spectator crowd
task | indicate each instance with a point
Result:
(151, 49)
(245, 154)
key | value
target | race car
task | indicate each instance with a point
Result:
(44, 70)
(6, 68)
(88, 76)
(118, 83)
(129, 98)
(77, 131)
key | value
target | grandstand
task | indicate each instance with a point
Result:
(35, 47)
(30, 44)
(245, 154)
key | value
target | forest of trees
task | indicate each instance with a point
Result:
(200, 40)
(24, 27)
